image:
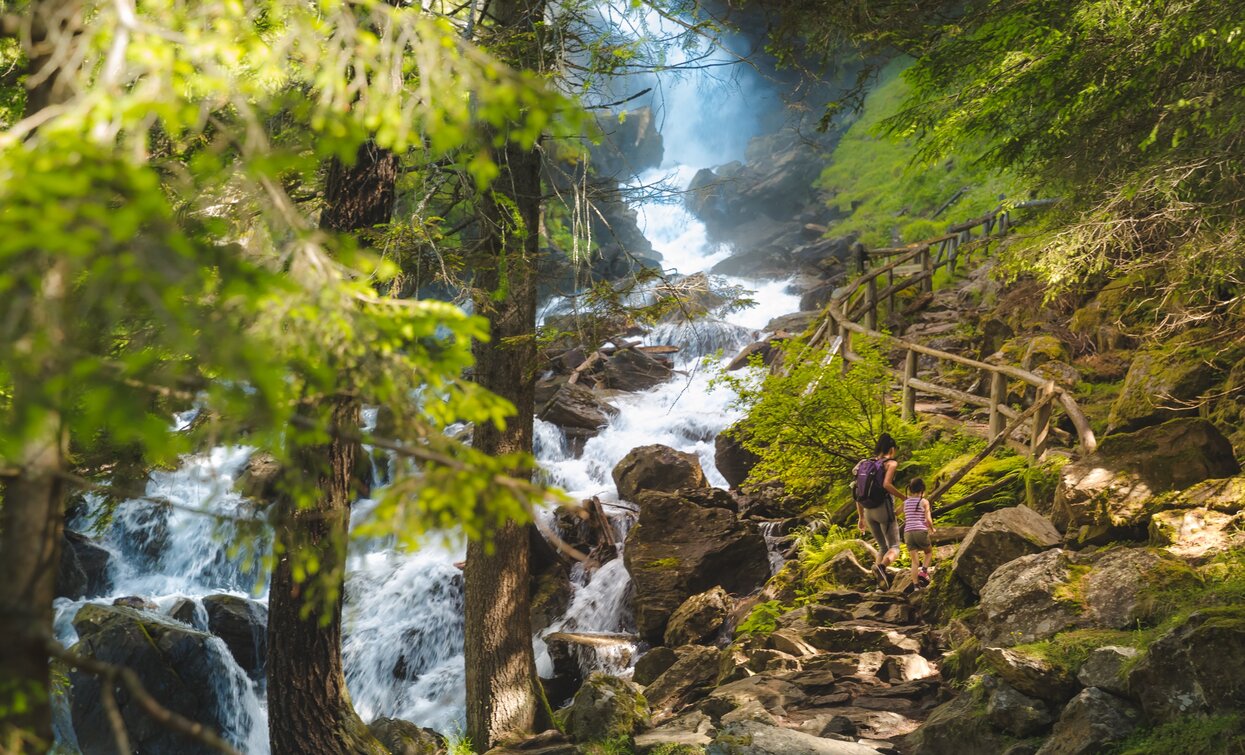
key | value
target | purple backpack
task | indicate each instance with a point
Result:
(869, 490)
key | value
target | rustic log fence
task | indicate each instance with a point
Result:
(916, 265)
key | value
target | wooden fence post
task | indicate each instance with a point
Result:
(890, 284)
(927, 268)
(1041, 422)
(954, 250)
(871, 304)
(909, 393)
(998, 397)
(845, 347)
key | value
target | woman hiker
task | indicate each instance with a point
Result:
(875, 506)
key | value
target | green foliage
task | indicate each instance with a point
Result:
(811, 425)
(1069, 650)
(819, 545)
(761, 620)
(1193, 735)
(887, 190)
(459, 744)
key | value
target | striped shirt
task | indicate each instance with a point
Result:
(914, 515)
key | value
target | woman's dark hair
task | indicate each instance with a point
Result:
(917, 485)
(885, 444)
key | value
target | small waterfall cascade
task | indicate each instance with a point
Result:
(403, 619)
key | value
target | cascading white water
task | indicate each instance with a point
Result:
(403, 622)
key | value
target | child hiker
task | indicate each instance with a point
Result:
(917, 526)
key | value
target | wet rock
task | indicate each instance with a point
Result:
(1111, 494)
(631, 143)
(1020, 604)
(688, 680)
(756, 738)
(699, 619)
(551, 595)
(1030, 675)
(999, 537)
(83, 569)
(657, 468)
(186, 669)
(574, 406)
(678, 549)
(1016, 713)
(243, 625)
(653, 664)
(631, 370)
(1194, 669)
(607, 708)
(186, 610)
(1104, 668)
(136, 602)
(405, 738)
(732, 460)
(1093, 720)
(259, 478)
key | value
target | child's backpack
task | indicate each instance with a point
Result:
(869, 490)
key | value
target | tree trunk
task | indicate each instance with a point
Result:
(32, 502)
(503, 695)
(309, 709)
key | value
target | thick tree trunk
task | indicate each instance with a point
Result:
(503, 695)
(32, 502)
(309, 709)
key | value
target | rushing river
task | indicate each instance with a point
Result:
(403, 622)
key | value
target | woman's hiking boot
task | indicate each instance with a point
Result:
(884, 579)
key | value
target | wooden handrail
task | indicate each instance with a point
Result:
(839, 318)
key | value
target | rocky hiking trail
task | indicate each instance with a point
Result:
(1059, 627)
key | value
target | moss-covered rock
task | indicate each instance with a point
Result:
(607, 708)
(1000, 537)
(1195, 668)
(960, 727)
(1165, 382)
(699, 619)
(405, 738)
(1111, 494)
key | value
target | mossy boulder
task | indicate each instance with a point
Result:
(679, 548)
(1165, 382)
(1228, 411)
(1195, 668)
(1111, 494)
(188, 670)
(243, 625)
(1042, 349)
(607, 708)
(83, 571)
(405, 738)
(1031, 675)
(1091, 723)
(959, 727)
(699, 619)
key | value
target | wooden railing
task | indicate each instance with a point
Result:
(915, 265)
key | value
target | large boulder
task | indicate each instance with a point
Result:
(1194, 669)
(83, 569)
(574, 406)
(607, 708)
(678, 549)
(1111, 494)
(1117, 590)
(657, 467)
(1016, 713)
(632, 370)
(243, 625)
(187, 670)
(260, 478)
(1166, 382)
(1105, 667)
(1090, 723)
(653, 664)
(1030, 675)
(405, 738)
(699, 619)
(999, 537)
(1198, 522)
(1021, 601)
(959, 727)
(734, 462)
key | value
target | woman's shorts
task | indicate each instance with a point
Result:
(917, 540)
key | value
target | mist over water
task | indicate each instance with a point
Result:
(403, 620)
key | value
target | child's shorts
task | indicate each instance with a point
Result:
(917, 540)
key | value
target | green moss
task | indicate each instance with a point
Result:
(1195, 735)
(961, 663)
(613, 746)
(1069, 650)
(1072, 592)
(676, 749)
(663, 563)
(762, 620)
